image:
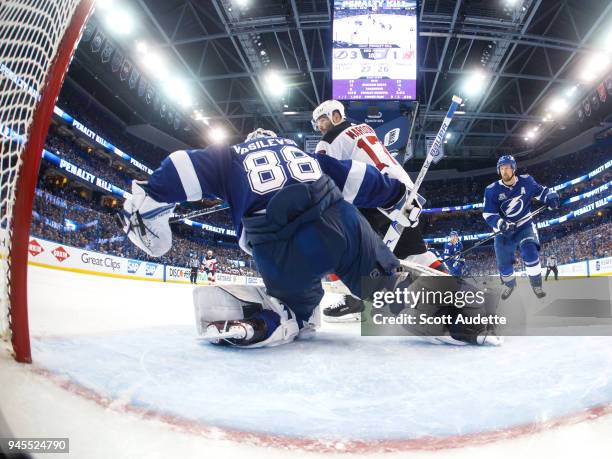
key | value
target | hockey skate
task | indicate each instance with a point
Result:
(508, 289)
(348, 309)
(235, 332)
(539, 292)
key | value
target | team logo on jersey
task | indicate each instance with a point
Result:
(502, 196)
(512, 207)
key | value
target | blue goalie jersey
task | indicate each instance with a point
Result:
(248, 175)
(511, 203)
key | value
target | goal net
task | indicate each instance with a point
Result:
(37, 40)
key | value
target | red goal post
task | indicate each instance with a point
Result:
(37, 41)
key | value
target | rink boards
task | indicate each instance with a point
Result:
(53, 255)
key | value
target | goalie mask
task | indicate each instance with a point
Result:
(260, 133)
(327, 108)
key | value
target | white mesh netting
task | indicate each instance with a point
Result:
(31, 32)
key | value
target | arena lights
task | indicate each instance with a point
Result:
(119, 21)
(558, 105)
(594, 67)
(152, 61)
(275, 84)
(449, 135)
(571, 91)
(474, 83)
(178, 90)
(217, 134)
(142, 47)
(199, 116)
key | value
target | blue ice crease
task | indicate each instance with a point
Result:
(340, 386)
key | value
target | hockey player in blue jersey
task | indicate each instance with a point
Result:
(507, 209)
(453, 248)
(294, 213)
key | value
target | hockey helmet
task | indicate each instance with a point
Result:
(327, 108)
(259, 133)
(454, 233)
(506, 160)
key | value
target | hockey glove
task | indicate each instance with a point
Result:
(552, 200)
(145, 221)
(505, 226)
(405, 214)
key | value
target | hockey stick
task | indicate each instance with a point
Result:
(198, 213)
(395, 229)
(538, 211)
(176, 218)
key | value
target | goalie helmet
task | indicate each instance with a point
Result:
(504, 161)
(327, 108)
(259, 133)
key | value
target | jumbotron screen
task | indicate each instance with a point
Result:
(374, 49)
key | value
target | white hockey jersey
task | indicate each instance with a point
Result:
(359, 142)
(210, 264)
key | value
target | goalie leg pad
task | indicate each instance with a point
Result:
(238, 302)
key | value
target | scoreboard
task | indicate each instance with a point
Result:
(374, 50)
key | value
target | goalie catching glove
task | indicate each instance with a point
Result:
(404, 213)
(145, 221)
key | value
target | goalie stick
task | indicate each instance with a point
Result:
(395, 229)
(198, 213)
(538, 211)
(176, 218)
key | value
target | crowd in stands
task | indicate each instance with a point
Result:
(461, 191)
(88, 113)
(64, 211)
(581, 240)
(56, 210)
(68, 150)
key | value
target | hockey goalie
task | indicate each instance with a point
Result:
(297, 215)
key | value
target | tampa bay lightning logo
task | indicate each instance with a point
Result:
(512, 207)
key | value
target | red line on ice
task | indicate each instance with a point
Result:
(329, 445)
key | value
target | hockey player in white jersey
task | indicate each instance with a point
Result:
(210, 266)
(359, 142)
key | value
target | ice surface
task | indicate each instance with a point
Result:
(133, 345)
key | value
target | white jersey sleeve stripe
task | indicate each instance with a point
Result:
(189, 179)
(353, 181)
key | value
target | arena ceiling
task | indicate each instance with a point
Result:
(530, 52)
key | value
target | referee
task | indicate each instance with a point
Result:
(194, 264)
(551, 265)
